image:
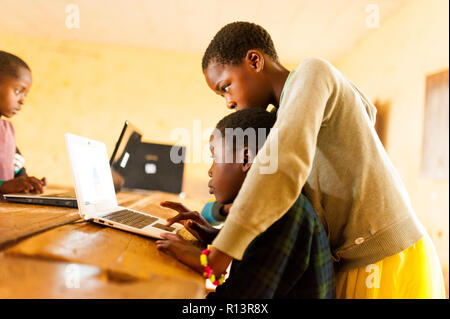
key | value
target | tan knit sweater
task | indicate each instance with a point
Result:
(327, 145)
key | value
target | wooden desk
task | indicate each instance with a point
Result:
(76, 259)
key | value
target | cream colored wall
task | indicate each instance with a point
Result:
(90, 89)
(391, 64)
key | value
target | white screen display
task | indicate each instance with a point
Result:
(94, 174)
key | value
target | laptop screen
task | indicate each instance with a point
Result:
(128, 141)
(92, 175)
(125, 149)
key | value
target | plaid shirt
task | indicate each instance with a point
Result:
(291, 259)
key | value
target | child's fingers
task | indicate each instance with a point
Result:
(37, 186)
(170, 237)
(193, 226)
(201, 232)
(26, 186)
(21, 184)
(162, 245)
(175, 206)
(193, 229)
(44, 181)
(166, 246)
(181, 217)
(36, 183)
(175, 219)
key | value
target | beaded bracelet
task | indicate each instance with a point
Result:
(208, 274)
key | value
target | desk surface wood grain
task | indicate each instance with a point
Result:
(111, 263)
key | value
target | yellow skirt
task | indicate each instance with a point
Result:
(414, 273)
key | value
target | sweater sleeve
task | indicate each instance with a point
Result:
(19, 169)
(283, 164)
(211, 212)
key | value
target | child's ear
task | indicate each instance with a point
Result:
(247, 160)
(255, 59)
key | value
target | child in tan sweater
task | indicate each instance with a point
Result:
(327, 146)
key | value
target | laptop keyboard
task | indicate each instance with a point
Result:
(130, 218)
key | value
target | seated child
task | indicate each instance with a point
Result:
(291, 259)
(15, 82)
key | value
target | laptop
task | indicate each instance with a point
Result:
(129, 140)
(145, 166)
(129, 136)
(95, 193)
(49, 198)
(152, 168)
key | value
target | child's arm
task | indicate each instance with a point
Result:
(182, 250)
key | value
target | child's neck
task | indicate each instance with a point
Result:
(278, 75)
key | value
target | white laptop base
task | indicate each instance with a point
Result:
(96, 197)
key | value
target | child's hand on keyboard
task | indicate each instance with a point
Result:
(192, 221)
(24, 184)
(182, 250)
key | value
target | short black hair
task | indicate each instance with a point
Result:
(10, 65)
(232, 42)
(252, 118)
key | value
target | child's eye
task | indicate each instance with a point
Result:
(225, 88)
